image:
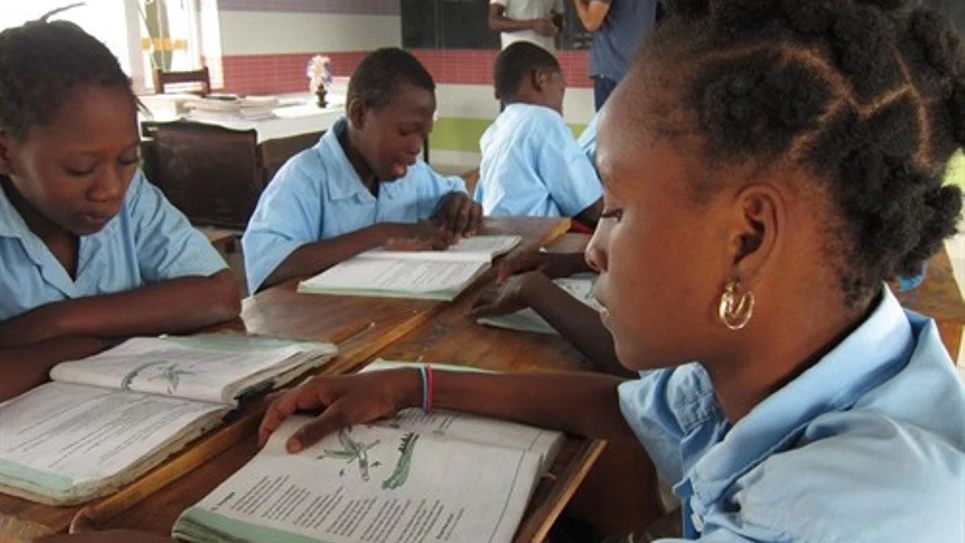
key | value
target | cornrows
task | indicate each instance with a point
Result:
(869, 96)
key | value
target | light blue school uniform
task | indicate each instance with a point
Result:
(149, 241)
(867, 446)
(532, 166)
(587, 139)
(318, 195)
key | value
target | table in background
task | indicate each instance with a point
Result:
(360, 326)
(940, 298)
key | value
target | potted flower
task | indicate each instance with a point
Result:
(319, 72)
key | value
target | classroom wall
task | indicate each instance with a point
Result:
(265, 45)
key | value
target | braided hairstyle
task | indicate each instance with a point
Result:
(41, 63)
(867, 95)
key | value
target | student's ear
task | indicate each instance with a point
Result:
(357, 111)
(540, 78)
(6, 150)
(759, 216)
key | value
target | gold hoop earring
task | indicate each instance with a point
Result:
(735, 309)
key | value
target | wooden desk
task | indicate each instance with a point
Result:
(940, 298)
(360, 326)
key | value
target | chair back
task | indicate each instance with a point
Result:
(212, 174)
(201, 77)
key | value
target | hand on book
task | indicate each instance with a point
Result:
(552, 265)
(421, 236)
(341, 402)
(458, 214)
(509, 296)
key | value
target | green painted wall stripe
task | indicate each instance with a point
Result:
(462, 134)
(956, 170)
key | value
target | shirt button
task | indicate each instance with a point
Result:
(698, 522)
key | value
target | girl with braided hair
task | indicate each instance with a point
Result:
(767, 166)
(89, 250)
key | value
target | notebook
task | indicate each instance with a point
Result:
(417, 477)
(528, 320)
(104, 420)
(433, 275)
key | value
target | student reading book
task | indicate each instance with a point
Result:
(398, 479)
(773, 207)
(106, 419)
(363, 185)
(531, 164)
(438, 275)
(89, 249)
(783, 390)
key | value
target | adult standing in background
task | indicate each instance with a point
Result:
(618, 26)
(535, 21)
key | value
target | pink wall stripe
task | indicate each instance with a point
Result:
(356, 7)
(271, 74)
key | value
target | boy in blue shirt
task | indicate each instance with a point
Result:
(531, 164)
(363, 184)
(89, 250)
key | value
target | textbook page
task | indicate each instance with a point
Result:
(528, 320)
(61, 438)
(482, 430)
(482, 247)
(369, 484)
(395, 276)
(178, 367)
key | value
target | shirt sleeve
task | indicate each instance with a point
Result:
(498, 2)
(433, 187)
(288, 215)
(569, 176)
(167, 245)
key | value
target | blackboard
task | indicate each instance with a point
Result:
(463, 24)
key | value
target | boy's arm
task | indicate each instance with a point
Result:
(592, 13)
(174, 306)
(23, 368)
(591, 215)
(576, 322)
(568, 174)
(499, 22)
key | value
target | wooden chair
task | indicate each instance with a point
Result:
(212, 174)
(202, 77)
(275, 152)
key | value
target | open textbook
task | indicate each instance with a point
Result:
(417, 477)
(528, 320)
(436, 275)
(106, 419)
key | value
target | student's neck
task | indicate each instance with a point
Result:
(41, 226)
(366, 174)
(742, 380)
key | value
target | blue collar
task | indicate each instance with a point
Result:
(877, 350)
(12, 224)
(347, 183)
